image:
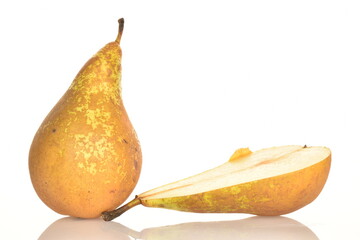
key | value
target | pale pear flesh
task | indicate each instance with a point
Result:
(262, 164)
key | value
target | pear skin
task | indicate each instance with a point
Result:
(85, 157)
(268, 182)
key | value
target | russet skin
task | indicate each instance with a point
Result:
(85, 157)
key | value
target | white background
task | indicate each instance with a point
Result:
(200, 79)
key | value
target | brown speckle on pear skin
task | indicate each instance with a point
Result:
(135, 164)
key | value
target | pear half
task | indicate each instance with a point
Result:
(268, 182)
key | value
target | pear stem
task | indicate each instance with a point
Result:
(110, 215)
(121, 28)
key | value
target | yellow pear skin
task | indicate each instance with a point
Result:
(271, 182)
(85, 157)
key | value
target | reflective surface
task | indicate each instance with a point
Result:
(73, 228)
(253, 228)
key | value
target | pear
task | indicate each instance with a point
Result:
(268, 182)
(85, 157)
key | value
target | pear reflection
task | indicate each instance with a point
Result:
(253, 228)
(90, 229)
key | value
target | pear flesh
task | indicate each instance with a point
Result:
(272, 181)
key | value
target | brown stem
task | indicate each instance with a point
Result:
(110, 215)
(121, 28)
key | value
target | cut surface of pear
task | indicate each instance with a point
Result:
(271, 181)
(251, 167)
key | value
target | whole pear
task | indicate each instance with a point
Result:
(85, 157)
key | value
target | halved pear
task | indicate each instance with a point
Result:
(268, 182)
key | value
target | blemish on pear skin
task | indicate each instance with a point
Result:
(80, 165)
(54, 130)
(134, 179)
(97, 117)
(92, 168)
